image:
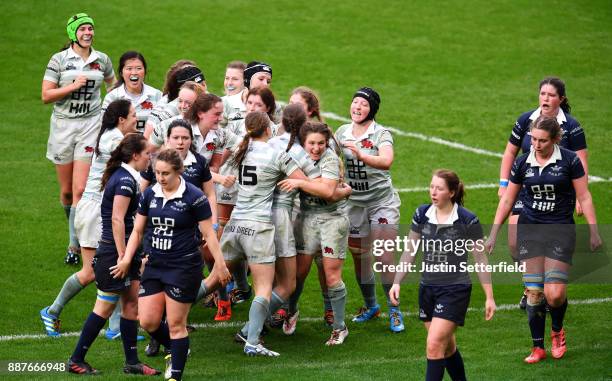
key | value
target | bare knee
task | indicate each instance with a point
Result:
(436, 347)
(555, 298)
(535, 297)
(86, 276)
(148, 322)
(129, 309)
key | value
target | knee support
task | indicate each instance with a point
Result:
(556, 276)
(107, 297)
(534, 281)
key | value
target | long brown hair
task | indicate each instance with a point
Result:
(256, 124)
(453, 183)
(293, 119)
(311, 99)
(203, 103)
(267, 97)
(323, 129)
(171, 86)
(130, 145)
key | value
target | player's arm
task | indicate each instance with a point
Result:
(121, 268)
(504, 207)
(484, 277)
(382, 161)
(407, 257)
(583, 155)
(506, 164)
(219, 271)
(319, 187)
(52, 93)
(120, 207)
(209, 190)
(342, 191)
(583, 196)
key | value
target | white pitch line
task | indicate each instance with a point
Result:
(416, 135)
(306, 319)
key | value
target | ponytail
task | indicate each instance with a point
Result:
(293, 119)
(256, 124)
(453, 183)
(119, 108)
(130, 145)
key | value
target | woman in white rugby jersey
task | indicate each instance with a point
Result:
(130, 85)
(72, 82)
(373, 208)
(249, 235)
(321, 228)
(119, 120)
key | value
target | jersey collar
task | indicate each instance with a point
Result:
(141, 98)
(560, 115)
(93, 56)
(190, 159)
(135, 174)
(431, 215)
(348, 134)
(556, 155)
(157, 191)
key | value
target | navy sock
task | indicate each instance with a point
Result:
(454, 366)
(435, 370)
(91, 329)
(162, 334)
(129, 332)
(557, 314)
(179, 349)
(295, 297)
(536, 315)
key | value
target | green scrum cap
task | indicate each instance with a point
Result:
(75, 22)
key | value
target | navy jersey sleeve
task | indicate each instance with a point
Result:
(516, 172)
(576, 139)
(201, 208)
(148, 174)
(521, 126)
(576, 168)
(145, 200)
(418, 219)
(474, 228)
(205, 170)
(126, 186)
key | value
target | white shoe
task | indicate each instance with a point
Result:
(168, 371)
(259, 350)
(337, 337)
(290, 323)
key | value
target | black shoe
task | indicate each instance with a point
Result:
(152, 349)
(72, 257)
(81, 368)
(523, 301)
(240, 296)
(140, 368)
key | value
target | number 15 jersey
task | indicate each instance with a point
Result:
(263, 166)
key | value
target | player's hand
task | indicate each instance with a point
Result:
(288, 185)
(120, 270)
(79, 82)
(578, 209)
(346, 189)
(221, 272)
(353, 148)
(490, 308)
(596, 241)
(228, 181)
(489, 245)
(394, 294)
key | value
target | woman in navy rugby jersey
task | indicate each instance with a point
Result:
(119, 203)
(553, 103)
(173, 216)
(553, 179)
(444, 296)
